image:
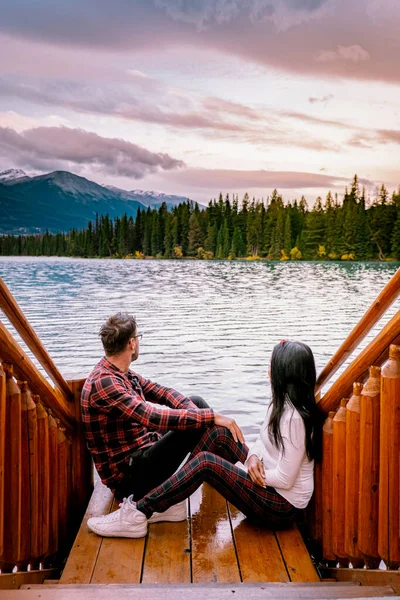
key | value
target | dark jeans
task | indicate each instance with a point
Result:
(151, 466)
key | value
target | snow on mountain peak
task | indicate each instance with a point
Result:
(11, 175)
(147, 193)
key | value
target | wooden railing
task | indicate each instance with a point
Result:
(45, 468)
(389, 294)
(355, 515)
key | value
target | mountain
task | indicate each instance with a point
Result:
(10, 175)
(60, 201)
(152, 199)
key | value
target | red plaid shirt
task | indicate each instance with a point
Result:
(120, 417)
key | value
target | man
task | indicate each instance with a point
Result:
(137, 444)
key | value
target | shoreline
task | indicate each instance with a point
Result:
(389, 261)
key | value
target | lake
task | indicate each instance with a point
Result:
(208, 327)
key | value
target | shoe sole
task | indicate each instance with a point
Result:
(124, 534)
(171, 519)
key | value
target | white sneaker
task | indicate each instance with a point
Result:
(127, 522)
(174, 513)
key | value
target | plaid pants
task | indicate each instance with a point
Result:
(212, 461)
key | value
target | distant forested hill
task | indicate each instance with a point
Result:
(331, 230)
(61, 201)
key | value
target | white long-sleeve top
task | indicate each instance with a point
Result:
(289, 471)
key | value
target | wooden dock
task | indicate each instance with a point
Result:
(216, 554)
(216, 544)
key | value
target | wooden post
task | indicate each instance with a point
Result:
(34, 486)
(12, 500)
(352, 477)
(2, 449)
(62, 497)
(44, 476)
(369, 469)
(389, 483)
(54, 491)
(72, 527)
(27, 404)
(327, 470)
(339, 482)
(82, 465)
(314, 510)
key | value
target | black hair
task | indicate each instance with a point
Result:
(293, 378)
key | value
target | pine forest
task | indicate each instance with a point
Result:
(352, 229)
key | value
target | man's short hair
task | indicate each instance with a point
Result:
(116, 332)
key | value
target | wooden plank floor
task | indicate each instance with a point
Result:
(215, 545)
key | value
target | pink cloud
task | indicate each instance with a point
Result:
(235, 180)
(213, 117)
(352, 53)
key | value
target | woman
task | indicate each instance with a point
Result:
(280, 477)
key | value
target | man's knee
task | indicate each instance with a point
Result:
(219, 432)
(199, 402)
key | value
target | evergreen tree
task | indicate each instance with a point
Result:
(138, 232)
(195, 234)
(226, 242)
(210, 243)
(287, 236)
(254, 229)
(395, 239)
(168, 236)
(146, 243)
(184, 222)
(314, 231)
(156, 240)
(237, 247)
(219, 252)
(278, 235)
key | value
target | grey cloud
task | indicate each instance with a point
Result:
(45, 148)
(332, 38)
(204, 14)
(201, 13)
(285, 14)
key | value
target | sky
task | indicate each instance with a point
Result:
(198, 97)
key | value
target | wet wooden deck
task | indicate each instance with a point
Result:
(216, 544)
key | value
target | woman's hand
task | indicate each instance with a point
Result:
(230, 424)
(256, 471)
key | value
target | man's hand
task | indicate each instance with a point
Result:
(256, 471)
(230, 424)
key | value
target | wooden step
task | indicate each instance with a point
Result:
(216, 544)
(83, 556)
(275, 591)
(119, 560)
(214, 559)
(367, 577)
